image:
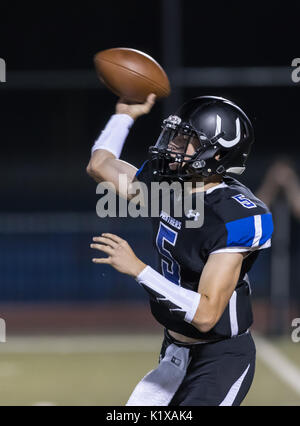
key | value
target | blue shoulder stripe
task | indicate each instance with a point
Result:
(252, 231)
(240, 233)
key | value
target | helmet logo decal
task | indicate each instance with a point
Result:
(174, 119)
(223, 142)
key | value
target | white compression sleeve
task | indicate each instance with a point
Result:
(113, 136)
(179, 300)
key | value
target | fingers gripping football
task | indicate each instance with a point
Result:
(135, 110)
(120, 254)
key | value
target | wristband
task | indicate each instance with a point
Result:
(180, 301)
(113, 136)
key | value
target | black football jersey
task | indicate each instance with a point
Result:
(234, 220)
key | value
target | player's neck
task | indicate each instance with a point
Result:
(207, 183)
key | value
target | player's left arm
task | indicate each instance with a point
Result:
(203, 308)
(217, 283)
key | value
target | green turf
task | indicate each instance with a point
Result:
(288, 348)
(77, 379)
(106, 378)
(267, 389)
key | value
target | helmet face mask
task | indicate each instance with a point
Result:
(207, 136)
(174, 141)
(176, 149)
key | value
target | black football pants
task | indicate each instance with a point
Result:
(219, 373)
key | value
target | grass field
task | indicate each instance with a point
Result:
(103, 370)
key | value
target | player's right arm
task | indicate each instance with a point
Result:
(105, 165)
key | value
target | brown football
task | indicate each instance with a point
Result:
(131, 74)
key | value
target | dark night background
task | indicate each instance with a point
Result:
(46, 134)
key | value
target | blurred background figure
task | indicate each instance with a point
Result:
(281, 179)
(72, 328)
(280, 190)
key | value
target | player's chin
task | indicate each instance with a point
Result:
(173, 166)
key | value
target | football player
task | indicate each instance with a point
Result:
(201, 293)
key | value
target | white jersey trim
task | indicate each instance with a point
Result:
(221, 185)
(242, 249)
(233, 315)
(258, 230)
(234, 390)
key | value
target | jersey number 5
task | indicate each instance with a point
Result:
(245, 202)
(170, 268)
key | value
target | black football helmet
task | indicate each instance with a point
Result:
(220, 132)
